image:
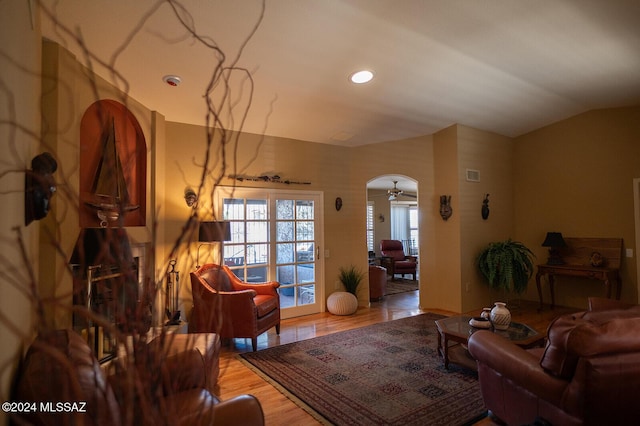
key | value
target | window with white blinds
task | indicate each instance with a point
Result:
(370, 228)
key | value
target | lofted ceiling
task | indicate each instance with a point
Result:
(499, 65)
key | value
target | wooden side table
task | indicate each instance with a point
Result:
(608, 276)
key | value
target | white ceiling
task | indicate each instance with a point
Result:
(500, 65)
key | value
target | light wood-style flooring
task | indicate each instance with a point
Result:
(236, 379)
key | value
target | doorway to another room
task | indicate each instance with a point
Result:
(392, 214)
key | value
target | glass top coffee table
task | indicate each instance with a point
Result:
(454, 332)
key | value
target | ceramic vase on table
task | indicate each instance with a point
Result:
(500, 316)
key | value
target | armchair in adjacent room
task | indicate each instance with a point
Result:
(225, 305)
(398, 262)
(588, 373)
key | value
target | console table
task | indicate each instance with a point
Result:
(576, 256)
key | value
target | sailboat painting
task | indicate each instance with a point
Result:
(110, 176)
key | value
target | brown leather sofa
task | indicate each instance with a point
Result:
(398, 263)
(163, 382)
(231, 308)
(377, 282)
(588, 373)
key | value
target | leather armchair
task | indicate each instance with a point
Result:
(158, 388)
(225, 305)
(398, 262)
(588, 373)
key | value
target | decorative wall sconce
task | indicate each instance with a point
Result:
(554, 241)
(190, 197)
(445, 207)
(381, 218)
(485, 207)
(39, 187)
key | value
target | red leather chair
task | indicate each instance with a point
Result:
(225, 305)
(398, 262)
(167, 381)
(588, 373)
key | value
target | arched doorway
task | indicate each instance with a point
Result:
(392, 214)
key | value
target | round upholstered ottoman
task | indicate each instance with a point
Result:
(342, 303)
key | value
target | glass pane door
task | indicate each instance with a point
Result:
(296, 252)
(247, 254)
(275, 235)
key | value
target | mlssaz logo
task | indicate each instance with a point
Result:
(63, 407)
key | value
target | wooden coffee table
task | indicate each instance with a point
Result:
(454, 332)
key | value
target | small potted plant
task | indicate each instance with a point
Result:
(346, 302)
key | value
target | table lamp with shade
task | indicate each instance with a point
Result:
(554, 241)
(212, 232)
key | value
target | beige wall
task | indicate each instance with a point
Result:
(19, 104)
(492, 155)
(336, 171)
(575, 176)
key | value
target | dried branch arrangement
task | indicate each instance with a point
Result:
(152, 369)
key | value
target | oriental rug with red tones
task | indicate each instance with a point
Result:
(383, 374)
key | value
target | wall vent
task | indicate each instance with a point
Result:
(473, 175)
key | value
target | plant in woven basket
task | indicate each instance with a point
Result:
(350, 277)
(506, 265)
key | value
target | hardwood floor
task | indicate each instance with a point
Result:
(236, 379)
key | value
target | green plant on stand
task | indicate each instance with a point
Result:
(506, 265)
(351, 277)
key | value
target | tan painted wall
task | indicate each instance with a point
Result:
(414, 159)
(492, 155)
(337, 171)
(17, 148)
(446, 291)
(575, 176)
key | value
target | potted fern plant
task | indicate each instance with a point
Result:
(506, 265)
(346, 302)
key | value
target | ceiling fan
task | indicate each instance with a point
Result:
(395, 192)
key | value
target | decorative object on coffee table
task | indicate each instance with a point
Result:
(454, 332)
(480, 322)
(500, 316)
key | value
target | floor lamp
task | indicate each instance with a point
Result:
(212, 232)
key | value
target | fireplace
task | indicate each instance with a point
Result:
(109, 292)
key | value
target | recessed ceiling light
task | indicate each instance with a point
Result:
(172, 80)
(361, 77)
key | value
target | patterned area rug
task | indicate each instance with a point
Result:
(400, 286)
(384, 374)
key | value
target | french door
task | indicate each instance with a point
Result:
(277, 235)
